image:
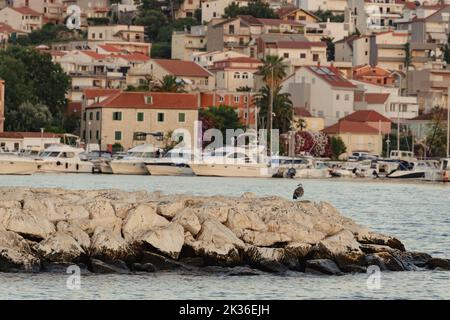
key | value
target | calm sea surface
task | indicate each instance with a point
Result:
(418, 214)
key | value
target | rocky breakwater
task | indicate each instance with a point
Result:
(116, 231)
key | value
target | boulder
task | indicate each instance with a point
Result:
(143, 267)
(385, 261)
(267, 259)
(380, 239)
(242, 218)
(117, 266)
(60, 247)
(108, 245)
(168, 240)
(263, 238)
(15, 253)
(189, 221)
(100, 208)
(322, 266)
(75, 232)
(122, 208)
(141, 220)
(160, 262)
(443, 264)
(169, 209)
(33, 226)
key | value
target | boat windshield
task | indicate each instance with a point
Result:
(50, 154)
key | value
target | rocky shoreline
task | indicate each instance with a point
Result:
(113, 231)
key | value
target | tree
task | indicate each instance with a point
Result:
(222, 118)
(273, 71)
(282, 108)
(257, 9)
(437, 133)
(338, 147)
(170, 83)
(31, 76)
(30, 117)
(330, 47)
(48, 34)
(446, 50)
(325, 15)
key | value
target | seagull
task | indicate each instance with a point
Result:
(299, 192)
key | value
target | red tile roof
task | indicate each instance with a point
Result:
(21, 135)
(300, 44)
(134, 57)
(302, 112)
(332, 76)
(183, 68)
(26, 11)
(277, 22)
(350, 127)
(366, 116)
(376, 98)
(7, 28)
(161, 100)
(110, 48)
(94, 55)
(94, 93)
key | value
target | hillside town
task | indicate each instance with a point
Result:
(370, 76)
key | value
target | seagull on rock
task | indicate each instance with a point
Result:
(299, 192)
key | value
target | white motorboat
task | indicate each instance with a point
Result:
(315, 169)
(134, 160)
(11, 163)
(233, 162)
(174, 163)
(422, 170)
(64, 158)
(441, 174)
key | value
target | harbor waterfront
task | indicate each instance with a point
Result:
(421, 222)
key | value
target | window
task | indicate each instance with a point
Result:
(117, 116)
(181, 117)
(315, 57)
(286, 55)
(91, 116)
(160, 117)
(245, 99)
(338, 97)
(221, 99)
(366, 53)
(302, 55)
(237, 75)
(97, 135)
(140, 116)
(236, 99)
(231, 29)
(347, 97)
(245, 75)
(148, 99)
(118, 135)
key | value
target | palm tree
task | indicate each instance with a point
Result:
(273, 71)
(282, 108)
(170, 83)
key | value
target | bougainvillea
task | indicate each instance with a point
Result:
(316, 144)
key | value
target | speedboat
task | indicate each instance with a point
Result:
(315, 169)
(11, 163)
(442, 173)
(174, 163)
(233, 162)
(414, 170)
(64, 158)
(134, 160)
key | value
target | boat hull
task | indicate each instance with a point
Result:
(231, 170)
(169, 170)
(406, 175)
(312, 173)
(18, 167)
(66, 167)
(128, 168)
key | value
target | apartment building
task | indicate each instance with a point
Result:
(186, 43)
(195, 77)
(187, 8)
(335, 6)
(234, 73)
(23, 18)
(433, 28)
(7, 33)
(293, 13)
(214, 9)
(375, 75)
(207, 59)
(127, 33)
(51, 10)
(322, 90)
(114, 117)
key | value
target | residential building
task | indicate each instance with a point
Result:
(7, 33)
(420, 125)
(2, 105)
(335, 6)
(126, 46)
(195, 77)
(294, 13)
(234, 73)
(23, 18)
(372, 118)
(310, 123)
(433, 27)
(375, 75)
(334, 30)
(322, 90)
(116, 119)
(187, 9)
(357, 136)
(385, 100)
(295, 53)
(51, 10)
(213, 9)
(359, 50)
(16, 141)
(430, 85)
(128, 33)
(90, 9)
(186, 43)
(242, 102)
(207, 59)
